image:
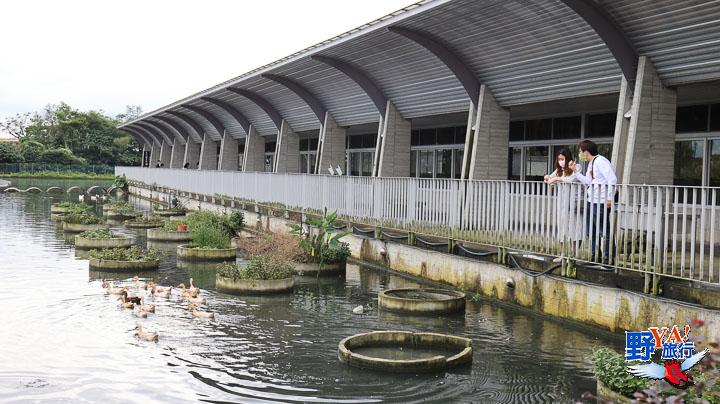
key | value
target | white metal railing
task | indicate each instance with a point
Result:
(666, 230)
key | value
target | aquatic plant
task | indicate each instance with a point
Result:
(229, 224)
(103, 234)
(122, 207)
(322, 245)
(261, 267)
(609, 367)
(76, 218)
(134, 253)
(75, 208)
(121, 181)
(172, 225)
(146, 220)
(209, 236)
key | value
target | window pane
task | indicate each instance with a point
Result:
(355, 164)
(715, 117)
(457, 170)
(312, 158)
(303, 145)
(443, 163)
(460, 133)
(415, 137)
(446, 136)
(605, 150)
(538, 129)
(427, 137)
(369, 140)
(302, 166)
(515, 163)
(355, 142)
(517, 129)
(367, 163)
(600, 125)
(426, 164)
(692, 119)
(688, 163)
(413, 163)
(241, 159)
(536, 163)
(567, 128)
(715, 163)
(241, 148)
(269, 147)
(313, 145)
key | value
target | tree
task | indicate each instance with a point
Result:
(31, 151)
(61, 156)
(9, 153)
(131, 112)
(15, 126)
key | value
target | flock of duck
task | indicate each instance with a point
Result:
(131, 296)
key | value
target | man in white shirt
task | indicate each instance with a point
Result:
(601, 181)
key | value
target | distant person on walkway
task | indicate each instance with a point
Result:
(197, 165)
(601, 181)
(157, 165)
(186, 165)
(566, 212)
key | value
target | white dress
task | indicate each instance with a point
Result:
(566, 207)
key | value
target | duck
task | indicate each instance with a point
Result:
(188, 292)
(148, 308)
(157, 292)
(132, 299)
(147, 336)
(197, 300)
(139, 313)
(81, 198)
(112, 291)
(200, 314)
(127, 305)
(138, 284)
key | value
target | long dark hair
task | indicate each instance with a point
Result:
(559, 171)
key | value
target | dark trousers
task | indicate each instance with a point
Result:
(594, 219)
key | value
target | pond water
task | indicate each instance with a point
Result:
(64, 340)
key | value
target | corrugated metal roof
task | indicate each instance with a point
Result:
(526, 51)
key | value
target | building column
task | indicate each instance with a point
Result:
(165, 153)
(177, 154)
(644, 143)
(208, 154)
(486, 140)
(228, 153)
(254, 158)
(154, 154)
(192, 154)
(287, 150)
(142, 156)
(331, 146)
(392, 153)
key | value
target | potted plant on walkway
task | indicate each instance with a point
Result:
(268, 269)
(323, 252)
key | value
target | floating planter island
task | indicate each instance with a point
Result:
(122, 259)
(79, 227)
(143, 224)
(257, 276)
(312, 268)
(422, 301)
(157, 234)
(84, 242)
(189, 253)
(252, 286)
(405, 352)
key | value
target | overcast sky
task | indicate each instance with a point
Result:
(103, 55)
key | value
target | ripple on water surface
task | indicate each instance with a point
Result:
(64, 340)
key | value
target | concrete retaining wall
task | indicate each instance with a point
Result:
(605, 307)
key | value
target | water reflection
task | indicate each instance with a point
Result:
(276, 348)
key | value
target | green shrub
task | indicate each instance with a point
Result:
(123, 208)
(229, 224)
(103, 234)
(10, 153)
(261, 267)
(76, 208)
(120, 181)
(317, 246)
(609, 367)
(335, 253)
(147, 220)
(32, 151)
(209, 236)
(78, 218)
(172, 225)
(134, 253)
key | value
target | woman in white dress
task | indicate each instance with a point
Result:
(566, 202)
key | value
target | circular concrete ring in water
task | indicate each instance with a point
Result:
(253, 287)
(167, 213)
(422, 301)
(57, 209)
(164, 235)
(112, 265)
(113, 215)
(135, 225)
(79, 228)
(184, 252)
(311, 268)
(459, 349)
(100, 243)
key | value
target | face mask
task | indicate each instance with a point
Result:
(561, 163)
(582, 157)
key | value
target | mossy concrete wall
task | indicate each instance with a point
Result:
(605, 307)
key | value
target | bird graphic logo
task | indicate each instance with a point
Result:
(672, 371)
